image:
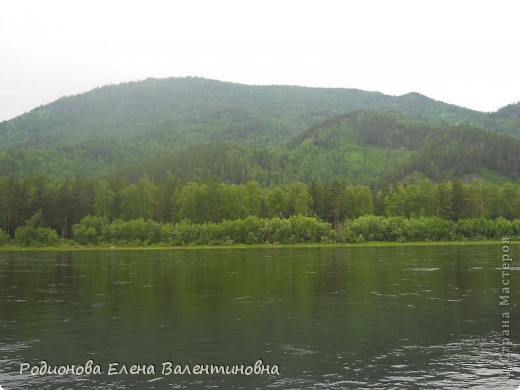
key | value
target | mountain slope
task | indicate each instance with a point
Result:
(194, 110)
(505, 120)
(123, 127)
(363, 147)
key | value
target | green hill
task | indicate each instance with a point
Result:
(191, 110)
(363, 147)
(505, 120)
(196, 127)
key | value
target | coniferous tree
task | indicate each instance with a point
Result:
(457, 200)
(138, 200)
(444, 201)
(103, 199)
(163, 204)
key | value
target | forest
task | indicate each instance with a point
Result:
(37, 211)
(196, 161)
(154, 126)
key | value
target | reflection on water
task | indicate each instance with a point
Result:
(331, 318)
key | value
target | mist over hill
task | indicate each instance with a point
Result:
(271, 134)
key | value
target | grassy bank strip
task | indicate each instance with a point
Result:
(371, 244)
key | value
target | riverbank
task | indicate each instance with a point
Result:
(296, 230)
(67, 247)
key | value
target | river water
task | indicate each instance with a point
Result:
(328, 318)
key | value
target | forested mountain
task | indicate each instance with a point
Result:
(506, 120)
(363, 147)
(191, 160)
(189, 111)
(198, 128)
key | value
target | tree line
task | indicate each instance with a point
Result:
(35, 203)
(100, 231)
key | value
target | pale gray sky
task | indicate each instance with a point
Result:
(462, 52)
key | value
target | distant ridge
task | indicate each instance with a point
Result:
(115, 127)
(129, 109)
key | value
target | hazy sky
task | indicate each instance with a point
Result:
(461, 52)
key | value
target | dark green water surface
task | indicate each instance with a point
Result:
(330, 318)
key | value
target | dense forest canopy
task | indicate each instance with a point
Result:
(37, 211)
(119, 129)
(201, 151)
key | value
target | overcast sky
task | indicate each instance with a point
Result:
(462, 52)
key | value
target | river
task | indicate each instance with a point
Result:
(418, 317)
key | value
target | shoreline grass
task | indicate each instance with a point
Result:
(370, 244)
